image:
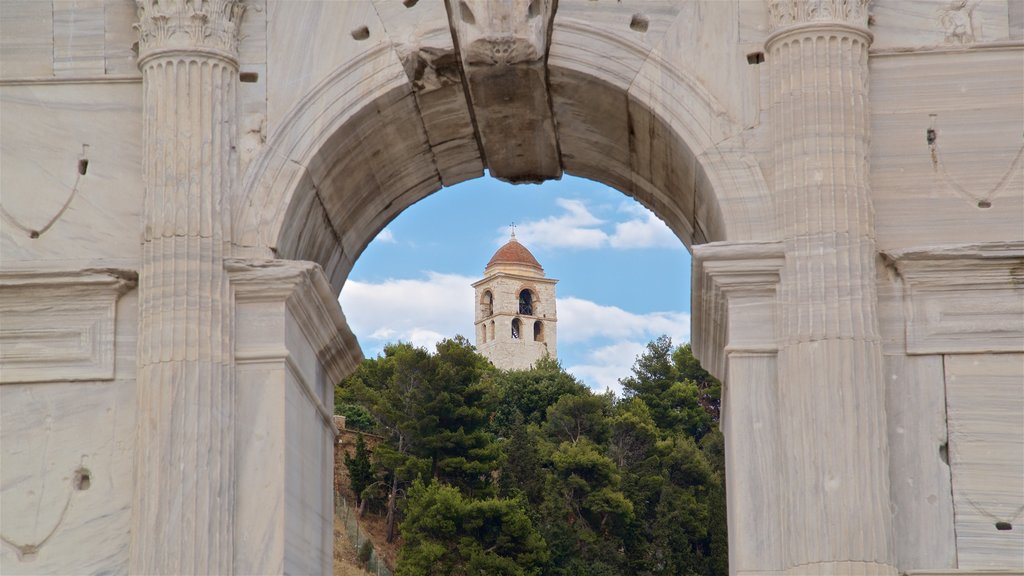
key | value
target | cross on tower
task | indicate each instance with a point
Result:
(513, 226)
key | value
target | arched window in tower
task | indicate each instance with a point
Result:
(526, 302)
(487, 304)
(538, 331)
(515, 328)
(490, 333)
(483, 329)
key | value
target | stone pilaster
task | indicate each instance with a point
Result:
(736, 283)
(831, 392)
(183, 509)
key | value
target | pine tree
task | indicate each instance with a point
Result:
(360, 470)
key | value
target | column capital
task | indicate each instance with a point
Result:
(209, 26)
(786, 14)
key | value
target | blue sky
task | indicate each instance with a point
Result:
(624, 278)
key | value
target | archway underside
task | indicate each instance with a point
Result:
(345, 162)
(382, 163)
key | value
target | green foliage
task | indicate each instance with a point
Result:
(691, 371)
(360, 471)
(528, 393)
(365, 553)
(356, 417)
(675, 402)
(447, 533)
(529, 472)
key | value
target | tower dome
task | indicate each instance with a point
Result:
(513, 257)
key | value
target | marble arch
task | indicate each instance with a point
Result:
(186, 184)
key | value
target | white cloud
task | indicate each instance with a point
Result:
(421, 311)
(647, 231)
(386, 236)
(425, 310)
(578, 228)
(607, 364)
(575, 228)
(581, 320)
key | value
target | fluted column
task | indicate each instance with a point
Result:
(837, 517)
(182, 516)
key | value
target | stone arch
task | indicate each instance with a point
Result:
(527, 302)
(652, 131)
(487, 304)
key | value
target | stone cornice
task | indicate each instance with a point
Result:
(303, 287)
(59, 326)
(522, 277)
(734, 283)
(210, 26)
(783, 14)
(962, 299)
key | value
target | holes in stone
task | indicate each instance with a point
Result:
(409, 3)
(33, 234)
(466, 14)
(944, 453)
(1004, 526)
(83, 166)
(361, 33)
(931, 136)
(250, 77)
(534, 10)
(83, 479)
(984, 204)
(639, 23)
(755, 58)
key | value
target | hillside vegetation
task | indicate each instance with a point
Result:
(484, 471)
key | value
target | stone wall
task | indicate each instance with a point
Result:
(130, 218)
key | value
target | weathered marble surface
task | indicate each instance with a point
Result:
(46, 130)
(341, 113)
(50, 435)
(985, 413)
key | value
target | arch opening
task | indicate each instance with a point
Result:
(526, 302)
(322, 190)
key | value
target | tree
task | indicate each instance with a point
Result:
(675, 402)
(447, 533)
(691, 370)
(356, 417)
(528, 393)
(575, 416)
(360, 470)
(434, 412)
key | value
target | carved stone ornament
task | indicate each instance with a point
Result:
(498, 33)
(189, 24)
(784, 13)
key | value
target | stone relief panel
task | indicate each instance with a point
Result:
(963, 300)
(59, 326)
(940, 24)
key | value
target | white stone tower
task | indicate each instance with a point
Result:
(515, 309)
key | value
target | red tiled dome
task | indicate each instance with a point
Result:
(515, 254)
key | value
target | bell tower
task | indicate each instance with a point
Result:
(515, 309)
